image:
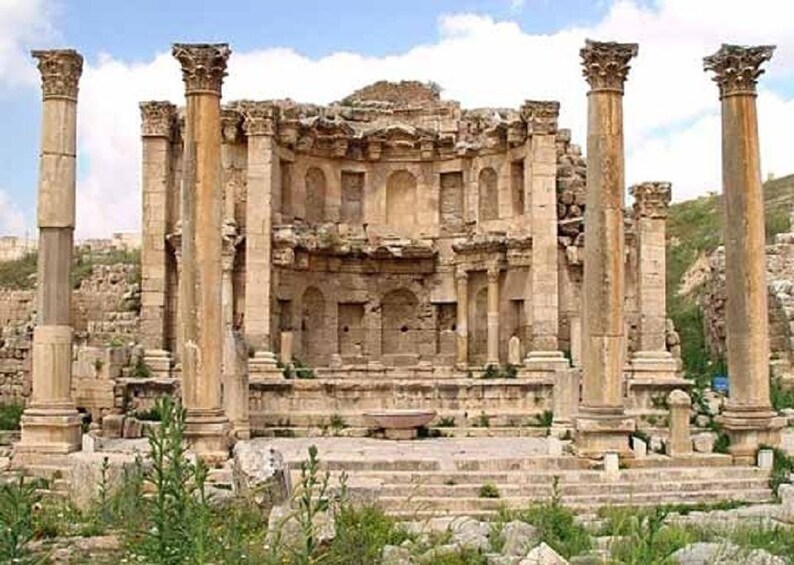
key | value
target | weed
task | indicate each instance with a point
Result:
(489, 490)
(722, 444)
(446, 422)
(491, 372)
(782, 467)
(557, 527)
(152, 414)
(484, 421)
(140, 370)
(781, 398)
(17, 500)
(98, 364)
(337, 422)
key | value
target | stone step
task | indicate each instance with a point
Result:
(402, 506)
(546, 491)
(539, 462)
(359, 431)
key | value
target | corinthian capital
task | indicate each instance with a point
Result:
(606, 64)
(651, 199)
(60, 72)
(203, 66)
(737, 68)
(157, 119)
(540, 115)
(259, 118)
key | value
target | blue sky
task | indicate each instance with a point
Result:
(483, 52)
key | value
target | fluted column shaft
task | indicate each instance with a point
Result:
(462, 323)
(602, 426)
(50, 423)
(203, 69)
(492, 357)
(747, 416)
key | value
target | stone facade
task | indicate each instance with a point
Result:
(404, 232)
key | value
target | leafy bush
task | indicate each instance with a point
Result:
(781, 398)
(361, 534)
(557, 527)
(152, 414)
(489, 490)
(10, 416)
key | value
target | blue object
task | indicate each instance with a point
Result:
(719, 383)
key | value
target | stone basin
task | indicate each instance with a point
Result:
(399, 424)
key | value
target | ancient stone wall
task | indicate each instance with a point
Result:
(104, 311)
(780, 287)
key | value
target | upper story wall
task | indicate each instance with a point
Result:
(392, 158)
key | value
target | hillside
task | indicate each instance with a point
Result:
(694, 230)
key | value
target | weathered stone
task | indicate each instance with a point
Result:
(543, 555)
(704, 442)
(284, 527)
(113, 426)
(519, 538)
(133, 428)
(259, 472)
(707, 553)
(470, 533)
(396, 555)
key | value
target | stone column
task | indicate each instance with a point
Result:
(235, 352)
(602, 425)
(492, 356)
(748, 417)
(157, 130)
(207, 427)
(543, 351)
(50, 423)
(462, 324)
(259, 123)
(652, 366)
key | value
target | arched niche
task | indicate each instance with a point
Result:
(401, 202)
(313, 335)
(315, 195)
(488, 194)
(399, 322)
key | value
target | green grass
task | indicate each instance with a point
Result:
(19, 273)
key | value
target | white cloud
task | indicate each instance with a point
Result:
(12, 219)
(22, 22)
(671, 105)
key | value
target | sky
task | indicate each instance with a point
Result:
(482, 53)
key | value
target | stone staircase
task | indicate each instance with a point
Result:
(421, 488)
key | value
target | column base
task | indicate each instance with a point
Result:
(566, 398)
(159, 362)
(549, 361)
(654, 364)
(264, 364)
(50, 429)
(749, 428)
(600, 431)
(207, 432)
(653, 375)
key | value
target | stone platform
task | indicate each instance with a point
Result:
(444, 476)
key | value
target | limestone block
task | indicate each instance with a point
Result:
(259, 472)
(519, 537)
(766, 459)
(133, 428)
(514, 350)
(396, 555)
(86, 474)
(470, 533)
(112, 426)
(639, 447)
(785, 512)
(283, 525)
(680, 441)
(704, 442)
(611, 463)
(56, 207)
(543, 555)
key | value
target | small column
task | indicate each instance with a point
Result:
(680, 441)
(492, 357)
(602, 425)
(259, 124)
(207, 427)
(748, 417)
(653, 368)
(462, 323)
(50, 423)
(157, 130)
(543, 353)
(235, 353)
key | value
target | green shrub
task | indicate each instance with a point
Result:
(491, 372)
(781, 398)
(489, 490)
(10, 416)
(446, 422)
(557, 527)
(361, 534)
(152, 414)
(722, 443)
(782, 468)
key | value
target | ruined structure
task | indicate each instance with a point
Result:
(391, 236)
